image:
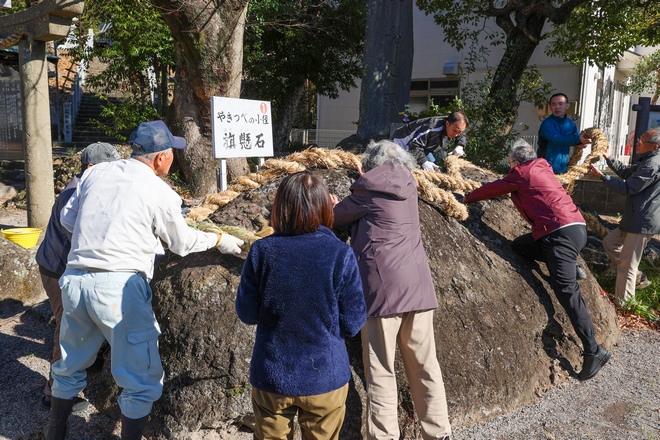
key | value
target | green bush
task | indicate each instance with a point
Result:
(646, 302)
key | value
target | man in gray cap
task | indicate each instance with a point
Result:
(118, 216)
(52, 253)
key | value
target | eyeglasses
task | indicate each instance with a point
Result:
(642, 141)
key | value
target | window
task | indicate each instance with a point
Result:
(438, 91)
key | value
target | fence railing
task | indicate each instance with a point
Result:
(330, 139)
(322, 138)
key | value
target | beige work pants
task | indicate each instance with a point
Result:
(625, 250)
(413, 333)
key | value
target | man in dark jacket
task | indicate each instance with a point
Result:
(52, 253)
(385, 236)
(424, 138)
(558, 234)
(640, 183)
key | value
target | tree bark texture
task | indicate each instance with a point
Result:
(520, 46)
(208, 39)
(285, 117)
(388, 57)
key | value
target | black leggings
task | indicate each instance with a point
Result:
(559, 250)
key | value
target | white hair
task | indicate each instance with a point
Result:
(377, 153)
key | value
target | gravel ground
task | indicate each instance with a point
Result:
(621, 402)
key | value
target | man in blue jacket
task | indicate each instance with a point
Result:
(640, 183)
(558, 133)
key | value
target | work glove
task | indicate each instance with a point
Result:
(429, 166)
(458, 151)
(229, 244)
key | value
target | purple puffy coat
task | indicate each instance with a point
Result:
(387, 242)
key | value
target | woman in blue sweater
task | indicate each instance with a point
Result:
(301, 286)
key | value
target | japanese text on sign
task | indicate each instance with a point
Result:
(241, 128)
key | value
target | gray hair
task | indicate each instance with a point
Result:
(655, 137)
(148, 157)
(377, 153)
(522, 151)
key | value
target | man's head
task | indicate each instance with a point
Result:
(152, 143)
(377, 153)
(648, 142)
(98, 152)
(455, 124)
(521, 152)
(559, 104)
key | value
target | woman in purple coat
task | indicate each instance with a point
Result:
(385, 236)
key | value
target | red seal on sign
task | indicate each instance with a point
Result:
(263, 108)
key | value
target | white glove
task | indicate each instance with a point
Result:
(230, 244)
(429, 166)
(458, 151)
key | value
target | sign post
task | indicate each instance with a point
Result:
(240, 128)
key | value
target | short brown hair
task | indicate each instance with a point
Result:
(302, 204)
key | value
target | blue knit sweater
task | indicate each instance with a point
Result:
(305, 294)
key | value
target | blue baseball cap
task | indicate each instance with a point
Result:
(154, 136)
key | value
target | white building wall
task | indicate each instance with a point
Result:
(584, 86)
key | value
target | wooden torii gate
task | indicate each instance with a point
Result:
(31, 28)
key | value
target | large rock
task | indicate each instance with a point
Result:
(20, 279)
(500, 331)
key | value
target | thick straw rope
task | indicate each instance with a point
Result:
(315, 157)
(433, 187)
(11, 40)
(599, 146)
(594, 225)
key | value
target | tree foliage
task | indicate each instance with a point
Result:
(645, 77)
(290, 46)
(137, 50)
(16, 5)
(598, 30)
(601, 31)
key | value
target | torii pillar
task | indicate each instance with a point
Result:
(49, 20)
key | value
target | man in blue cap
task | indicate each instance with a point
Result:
(53, 251)
(118, 216)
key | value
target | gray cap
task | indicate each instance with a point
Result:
(99, 152)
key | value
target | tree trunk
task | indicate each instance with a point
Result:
(520, 47)
(286, 116)
(163, 90)
(388, 57)
(208, 45)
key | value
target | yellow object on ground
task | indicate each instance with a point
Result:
(26, 237)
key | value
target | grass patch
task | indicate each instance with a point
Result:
(646, 302)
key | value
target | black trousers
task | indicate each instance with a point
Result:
(559, 250)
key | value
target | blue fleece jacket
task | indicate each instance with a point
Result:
(560, 134)
(304, 293)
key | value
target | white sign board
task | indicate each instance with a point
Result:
(241, 128)
(5, 4)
